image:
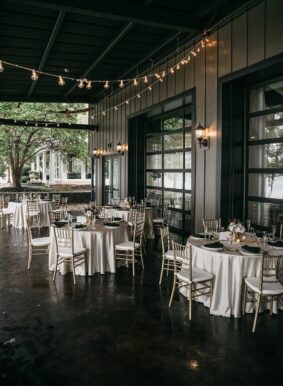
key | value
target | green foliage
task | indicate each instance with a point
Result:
(20, 144)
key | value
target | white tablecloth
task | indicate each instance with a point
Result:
(19, 211)
(100, 244)
(122, 213)
(229, 269)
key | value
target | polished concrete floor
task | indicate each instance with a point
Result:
(113, 330)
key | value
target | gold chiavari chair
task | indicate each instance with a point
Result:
(6, 214)
(266, 285)
(66, 252)
(33, 212)
(160, 222)
(128, 250)
(211, 225)
(197, 281)
(37, 246)
(57, 199)
(55, 216)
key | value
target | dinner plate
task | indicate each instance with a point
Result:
(244, 253)
(275, 247)
(212, 249)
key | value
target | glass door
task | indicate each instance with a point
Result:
(111, 181)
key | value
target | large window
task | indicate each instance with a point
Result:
(265, 154)
(168, 165)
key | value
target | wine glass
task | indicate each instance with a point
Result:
(273, 231)
(248, 225)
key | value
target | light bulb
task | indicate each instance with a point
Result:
(160, 80)
(34, 75)
(89, 85)
(135, 82)
(178, 67)
(193, 53)
(103, 113)
(157, 75)
(121, 85)
(1, 66)
(106, 85)
(81, 84)
(172, 70)
(145, 79)
(163, 74)
(198, 50)
(61, 81)
(149, 88)
(116, 108)
(127, 102)
(189, 58)
(139, 95)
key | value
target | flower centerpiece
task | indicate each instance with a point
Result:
(90, 213)
(237, 229)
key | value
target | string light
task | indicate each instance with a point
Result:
(163, 74)
(157, 75)
(127, 102)
(116, 108)
(149, 88)
(160, 80)
(135, 82)
(106, 84)
(81, 83)
(198, 49)
(178, 67)
(103, 113)
(193, 53)
(61, 81)
(145, 79)
(89, 84)
(34, 75)
(139, 95)
(172, 70)
(1, 66)
(121, 85)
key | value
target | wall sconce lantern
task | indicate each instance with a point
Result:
(96, 152)
(202, 137)
(121, 148)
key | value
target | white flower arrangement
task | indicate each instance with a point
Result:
(236, 226)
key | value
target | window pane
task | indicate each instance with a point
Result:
(173, 160)
(154, 126)
(267, 126)
(174, 199)
(266, 156)
(260, 213)
(188, 160)
(154, 179)
(266, 185)
(266, 97)
(153, 194)
(175, 219)
(173, 180)
(188, 119)
(188, 181)
(154, 143)
(154, 161)
(173, 141)
(188, 201)
(173, 123)
(188, 139)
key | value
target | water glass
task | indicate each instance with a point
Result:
(273, 230)
(248, 225)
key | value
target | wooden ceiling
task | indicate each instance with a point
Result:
(93, 39)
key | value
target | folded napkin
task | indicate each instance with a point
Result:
(278, 244)
(111, 224)
(215, 245)
(117, 218)
(60, 224)
(197, 236)
(80, 226)
(252, 250)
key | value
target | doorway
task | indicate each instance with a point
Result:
(111, 178)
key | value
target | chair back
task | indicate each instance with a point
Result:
(55, 216)
(184, 255)
(64, 238)
(138, 229)
(281, 231)
(64, 203)
(32, 206)
(211, 224)
(270, 268)
(165, 239)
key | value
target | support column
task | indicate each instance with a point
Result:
(37, 163)
(83, 170)
(44, 166)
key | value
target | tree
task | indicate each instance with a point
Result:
(19, 145)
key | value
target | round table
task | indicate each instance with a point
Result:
(19, 213)
(229, 268)
(100, 244)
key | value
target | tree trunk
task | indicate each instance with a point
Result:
(16, 177)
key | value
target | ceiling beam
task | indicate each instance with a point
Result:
(149, 55)
(50, 125)
(155, 15)
(48, 47)
(102, 55)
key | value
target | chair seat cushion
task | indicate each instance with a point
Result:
(56, 210)
(169, 255)
(7, 211)
(158, 220)
(127, 246)
(198, 275)
(271, 286)
(40, 242)
(67, 252)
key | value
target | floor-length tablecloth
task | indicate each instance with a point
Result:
(100, 245)
(19, 213)
(229, 269)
